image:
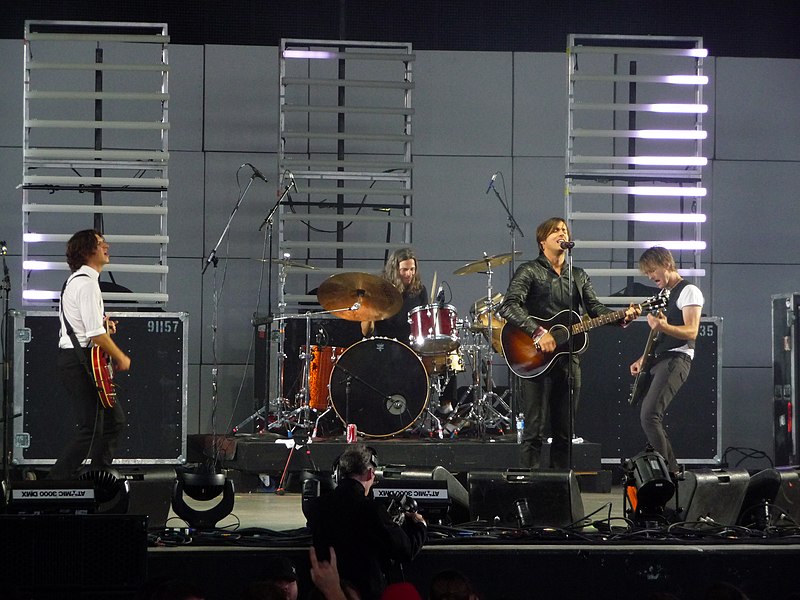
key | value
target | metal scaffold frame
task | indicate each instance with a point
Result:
(345, 136)
(96, 153)
(634, 155)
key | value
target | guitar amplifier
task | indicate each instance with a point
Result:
(694, 417)
(153, 393)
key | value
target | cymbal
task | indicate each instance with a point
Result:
(287, 263)
(486, 262)
(378, 298)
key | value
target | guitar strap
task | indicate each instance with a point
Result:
(79, 350)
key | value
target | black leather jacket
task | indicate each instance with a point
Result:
(536, 290)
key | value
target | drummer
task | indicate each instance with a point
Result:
(401, 271)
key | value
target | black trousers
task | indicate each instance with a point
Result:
(98, 428)
(668, 375)
(545, 400)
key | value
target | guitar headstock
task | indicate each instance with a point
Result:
(657, 302)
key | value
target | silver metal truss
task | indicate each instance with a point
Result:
(634, 159)
(95, 152)
(345, 135)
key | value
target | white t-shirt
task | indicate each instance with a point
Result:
(82, 305)
(689, 296)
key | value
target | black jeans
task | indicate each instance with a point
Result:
(668, 375)
(98, 428)
(546, 399)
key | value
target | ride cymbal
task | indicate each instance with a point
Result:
(378, 299)
(478, 266)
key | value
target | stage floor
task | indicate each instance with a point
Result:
(504, 565)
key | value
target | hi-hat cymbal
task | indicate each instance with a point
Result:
(484, 263)
(481, 306)
(287, 263)
(377, 297)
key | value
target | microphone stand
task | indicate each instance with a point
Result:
(268, 221)
(513, 227)
(212, 259)
(8, 406)
(570, 366)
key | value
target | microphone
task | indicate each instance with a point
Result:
(440, 295)
(292, 184)
(257, 173)
(567, 245)
(355, 306)
(491, 182)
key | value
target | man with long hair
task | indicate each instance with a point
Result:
(81, 311)
(401, 271)
(539, 290)
(674, 348)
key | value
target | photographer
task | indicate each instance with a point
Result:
(368, 542)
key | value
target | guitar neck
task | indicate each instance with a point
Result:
(585, 325)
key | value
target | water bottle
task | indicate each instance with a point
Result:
(520, 427)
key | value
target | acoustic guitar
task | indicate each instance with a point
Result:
(526, 361)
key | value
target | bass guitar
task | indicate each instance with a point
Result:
(103, 374)
(526, 361)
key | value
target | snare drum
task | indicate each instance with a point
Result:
(323, 358)
(434, 329)
(380, 385)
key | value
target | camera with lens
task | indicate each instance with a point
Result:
(399, 505)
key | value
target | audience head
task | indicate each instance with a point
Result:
(451, 585)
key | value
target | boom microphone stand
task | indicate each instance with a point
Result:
(212, 259)
(513, 227)
(268, 221)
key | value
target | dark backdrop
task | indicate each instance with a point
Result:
(768, 28)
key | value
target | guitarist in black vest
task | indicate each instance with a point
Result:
(539, 289)
(673, 350)
(82, 306)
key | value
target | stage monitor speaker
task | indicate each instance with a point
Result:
(716, 494)
(435, 489)
(150, 493)
(523, 498)
(788, 496)
(762, 489)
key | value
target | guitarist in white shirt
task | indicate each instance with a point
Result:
(673, 351)
(98, 428)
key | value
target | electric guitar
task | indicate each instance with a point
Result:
(641, 382)
(526, 361)
(103, 374)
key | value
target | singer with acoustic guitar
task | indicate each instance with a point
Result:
(673, 348)
(537, 293)
(100, 419)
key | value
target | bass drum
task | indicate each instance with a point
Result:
(388, 387)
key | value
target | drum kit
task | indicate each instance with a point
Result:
(385, 386)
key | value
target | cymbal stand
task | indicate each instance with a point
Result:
(484, 411)
(273, 406)
(304, 394)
